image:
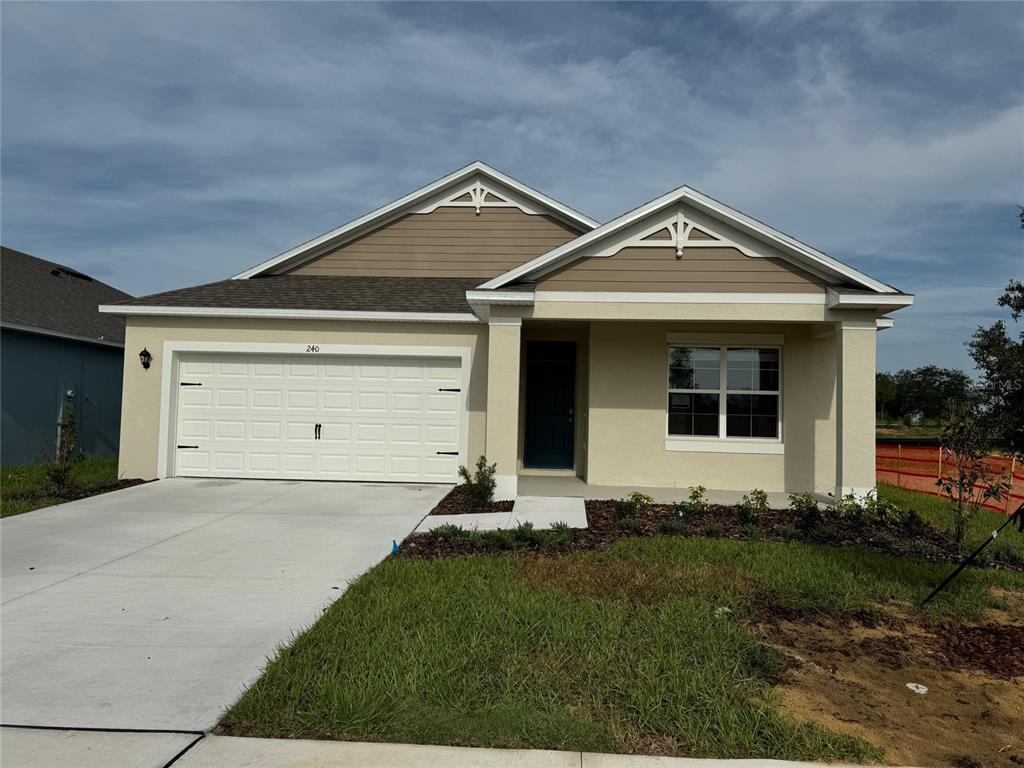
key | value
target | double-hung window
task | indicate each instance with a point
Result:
(724, 392)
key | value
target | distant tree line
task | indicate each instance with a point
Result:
(995, 401)
(928, 393)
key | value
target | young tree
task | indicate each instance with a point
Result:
(965, 442)
(1000, 359)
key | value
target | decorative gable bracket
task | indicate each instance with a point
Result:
(679, 229)
(478, 194)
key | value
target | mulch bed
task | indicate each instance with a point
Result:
(922, 542)
(459, 502)
(994, 648)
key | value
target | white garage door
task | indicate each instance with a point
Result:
(332, 418)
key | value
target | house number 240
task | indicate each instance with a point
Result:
(312, 348)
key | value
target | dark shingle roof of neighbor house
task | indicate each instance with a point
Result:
(360, 294)
(36, 294)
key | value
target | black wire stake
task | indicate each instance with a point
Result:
(1017, 517)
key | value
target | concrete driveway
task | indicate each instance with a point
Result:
(152, 607)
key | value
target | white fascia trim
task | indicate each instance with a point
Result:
(392, 209)
(643, 297)
(61, 335)
(173, 351)
(723, 446)
(518, 321)
(294, 314)
(884, 322)
(516, 298)
(699, 200)
(838, 298)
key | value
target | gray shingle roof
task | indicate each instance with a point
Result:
(41, 294)
(366, 294)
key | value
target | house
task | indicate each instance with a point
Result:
(681, 343)
(59, 355)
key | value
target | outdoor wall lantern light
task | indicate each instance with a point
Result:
(145, 358)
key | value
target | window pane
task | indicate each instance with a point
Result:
(752, 369)
(694, 368)
(693, 414)
(752, 416)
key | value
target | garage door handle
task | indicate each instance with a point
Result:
(191, 383)
(188, 446)
(442, 389)
(316, 431)
(447, 453)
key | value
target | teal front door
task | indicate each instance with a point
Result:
(550, 401)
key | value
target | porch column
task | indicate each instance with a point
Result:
(502, 444)
(855, 407)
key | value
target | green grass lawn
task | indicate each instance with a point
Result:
(936, 511)
(25, 488)
(617, 650)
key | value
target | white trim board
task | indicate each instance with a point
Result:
(799, 252)
(643, 297)
(173, 350)
(293, 314)
(421, 196)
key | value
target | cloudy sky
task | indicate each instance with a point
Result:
(161, 145)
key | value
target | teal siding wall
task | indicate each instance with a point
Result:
(35, 372)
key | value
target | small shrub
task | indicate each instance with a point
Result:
(713, 530)
(633, 525)
(807, 511)
(526, 535)
(787, 531)
(561, 535)
(851, 511)
(884, 511)
(887, 542)
(752, 507)
(496, 541)
(450, 532)
(59, 469)
(672, 527)
(912, 522)
(695, 505)
(632, 506)
(751, 531)
(480, 484)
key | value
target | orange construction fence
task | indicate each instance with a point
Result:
(918, 468)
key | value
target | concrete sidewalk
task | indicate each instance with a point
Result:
(24, 748)
(540, 511)
(233, 752)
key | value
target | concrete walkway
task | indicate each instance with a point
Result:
(32, 749)
(153, 607)
(539, 511)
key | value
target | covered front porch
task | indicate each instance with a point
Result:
(598, 408)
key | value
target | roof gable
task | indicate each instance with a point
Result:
(475, 187)
(686, 215)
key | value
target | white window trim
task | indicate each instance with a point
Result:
(173, 351)
(723, 443)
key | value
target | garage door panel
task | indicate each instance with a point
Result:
(226, 429)
(231, 398)
(381, 418)
(265, 430)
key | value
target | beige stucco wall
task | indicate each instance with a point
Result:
(140, 408)
(855, 355)
(627, 422)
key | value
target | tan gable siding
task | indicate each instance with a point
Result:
(448, 242)
(714, 270)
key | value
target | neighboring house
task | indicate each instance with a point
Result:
(57, 353)
(683, 343)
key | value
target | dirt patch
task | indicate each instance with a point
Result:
(853, 679)
(459, 502)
